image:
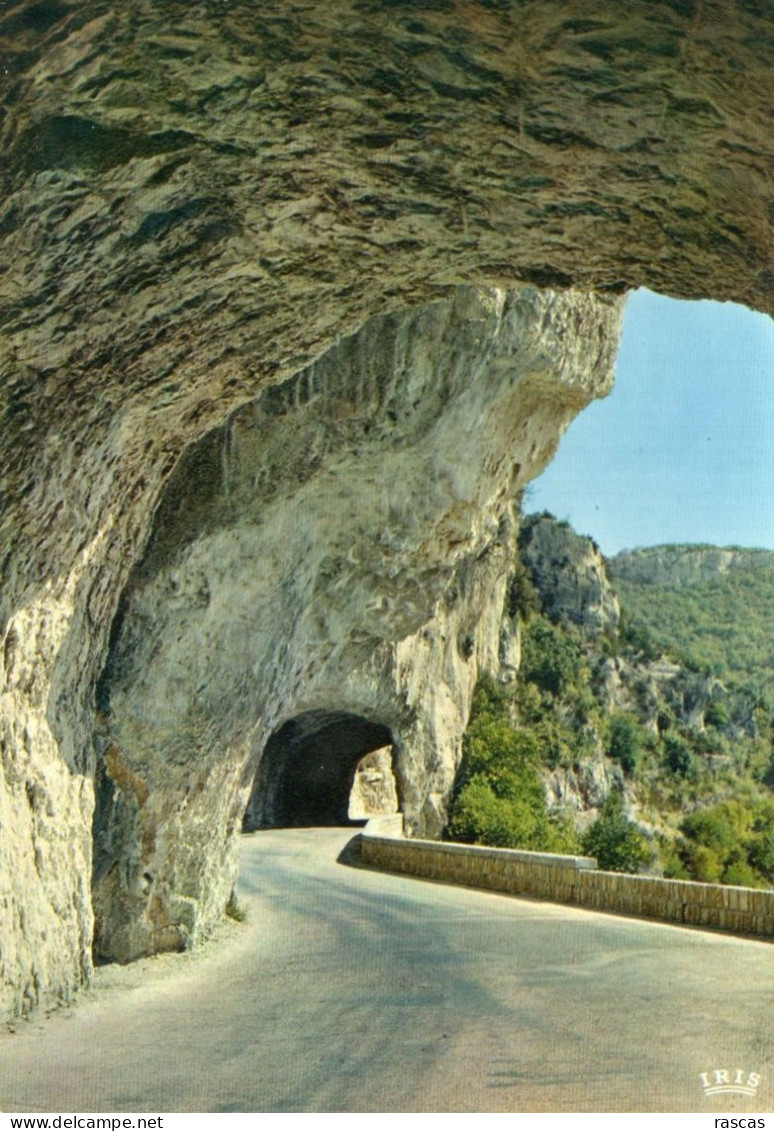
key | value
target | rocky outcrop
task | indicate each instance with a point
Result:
(651, 688)
(583, 788)
(197, 203)
(673, 567)
(569, 574)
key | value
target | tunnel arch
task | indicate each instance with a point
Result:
(308, 768)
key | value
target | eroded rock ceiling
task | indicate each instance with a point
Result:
(199, 199)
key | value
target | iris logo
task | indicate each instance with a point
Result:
(723, 1080)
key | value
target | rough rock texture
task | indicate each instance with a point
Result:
(198, 199)
(582, 789)
(342, 544)
(649, 687)
(570, 575)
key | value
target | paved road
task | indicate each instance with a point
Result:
(348, 990)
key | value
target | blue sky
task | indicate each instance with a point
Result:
(683, 448)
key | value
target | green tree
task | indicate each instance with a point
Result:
(625, 741)
(551, 657)
(724, 827)
(523, 597)
(731, 842)
(615, 841)
(716, 714)
(738, 871)
(672, 862)
(761, 845)
(499, 796)
(678, 757)
(482, 815)
(704, 864)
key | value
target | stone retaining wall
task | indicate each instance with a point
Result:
(569, 879)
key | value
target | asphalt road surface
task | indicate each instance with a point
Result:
(347, 990)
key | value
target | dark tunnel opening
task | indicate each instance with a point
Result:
(308, 769)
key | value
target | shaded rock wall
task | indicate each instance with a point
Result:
(196, 203)
(341, 545)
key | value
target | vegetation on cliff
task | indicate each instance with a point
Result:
(500, 798)
(722, 624)
(606, 744)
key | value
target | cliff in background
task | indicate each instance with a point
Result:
(675, 566)
(603, 714)
(712, 607)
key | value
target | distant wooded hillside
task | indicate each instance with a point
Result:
(712, 608)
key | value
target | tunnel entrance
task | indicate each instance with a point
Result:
(309, 767)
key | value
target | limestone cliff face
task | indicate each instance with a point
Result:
(672, 567)
(341, 545)
(197, 203)
(570, 575)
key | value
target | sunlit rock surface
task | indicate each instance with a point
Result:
(373, 790)
(673, 567)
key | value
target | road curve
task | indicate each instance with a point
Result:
(353, 991)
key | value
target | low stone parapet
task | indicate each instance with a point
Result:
(743, 910)
(568, 879)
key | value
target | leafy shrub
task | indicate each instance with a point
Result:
(716, 714)
(637, 639)
(665, 720)
(723, 827)
(678, 757)
(704, 864)
(512, 814)
(555, 742)
(551, 657)
(493, 747)
(761, 844)
(731, 842)
(529, 702)
(523, 597)
(625, 741)
(499, 797)
(672, 864)
(738, 871)
(617, 843)
(489, 698)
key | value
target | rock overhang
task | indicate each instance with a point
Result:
(333, 548)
